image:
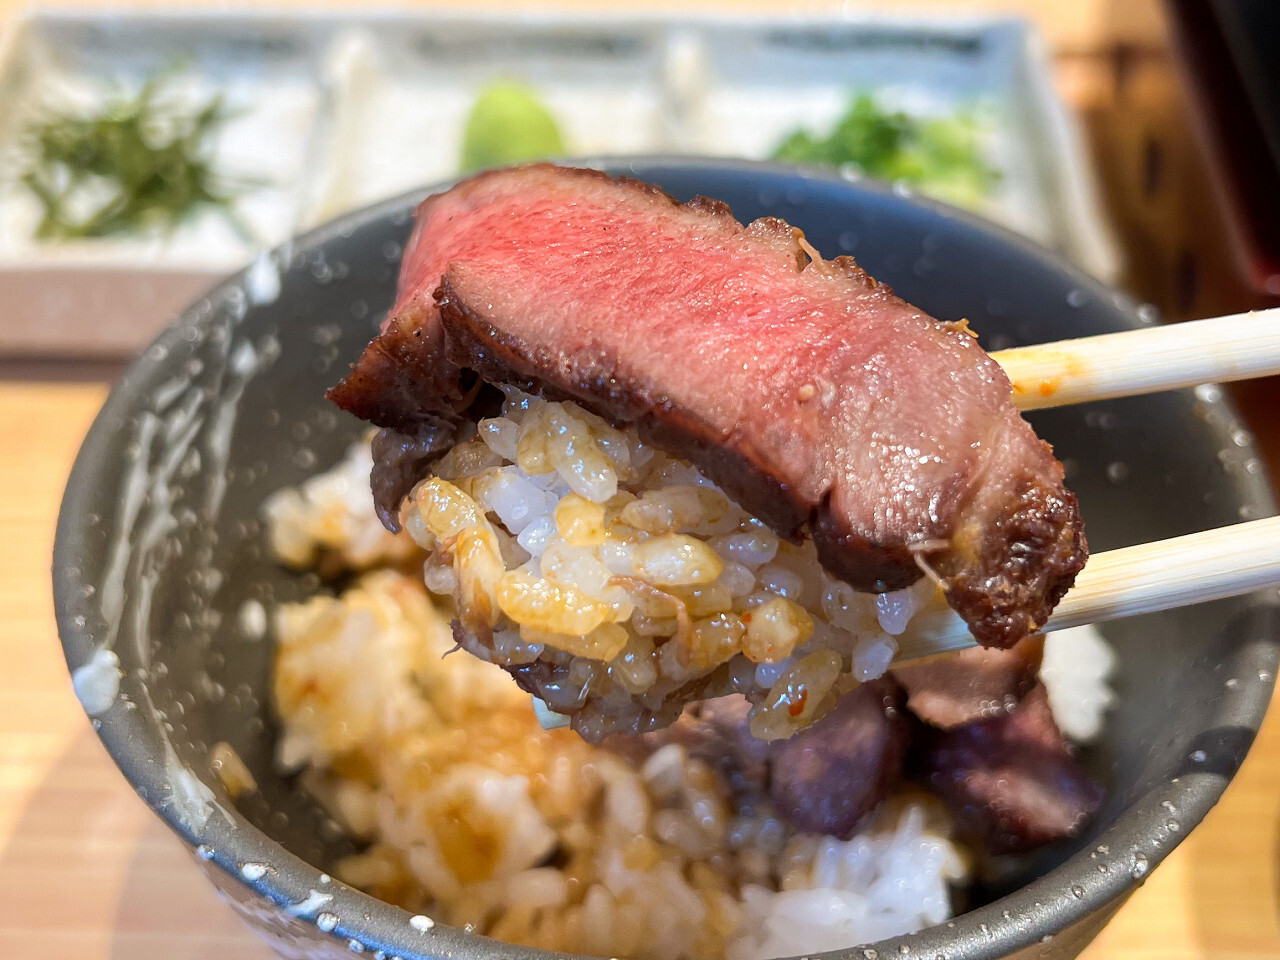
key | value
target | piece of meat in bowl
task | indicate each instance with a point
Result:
(714, 453)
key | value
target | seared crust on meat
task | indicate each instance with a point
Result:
(400, 460)
(388, 384)
(1008, 568)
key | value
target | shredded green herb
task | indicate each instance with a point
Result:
(941, 157)
(140, 164)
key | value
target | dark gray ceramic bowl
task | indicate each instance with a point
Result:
(159, 545)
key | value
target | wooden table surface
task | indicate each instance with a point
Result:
(87, 872)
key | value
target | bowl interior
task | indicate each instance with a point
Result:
(160, 542)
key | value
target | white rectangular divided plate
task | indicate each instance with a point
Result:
(336, 110)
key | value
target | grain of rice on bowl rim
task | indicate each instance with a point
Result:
(625, 579)
(565, 536)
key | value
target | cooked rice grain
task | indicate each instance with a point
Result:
(473, 813)
(476, 815)
(640, 583)
(329, 520)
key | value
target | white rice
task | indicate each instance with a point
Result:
(330, 517)
(1076, 672)
(634, 576)
(440, 764)
(892, 877)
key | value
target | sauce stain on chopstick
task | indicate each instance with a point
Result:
(1044, 372)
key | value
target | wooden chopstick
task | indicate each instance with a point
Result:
(1144, 361)
(1162, 575)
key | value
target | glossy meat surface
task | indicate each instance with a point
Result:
(824, 780)
(1011, 781)
(827, 778)
(972, 684)
(823, 403)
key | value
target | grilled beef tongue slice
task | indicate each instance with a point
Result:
(825, 779)
(819, 400)
(400, 460)
(828, 777)
(1012, 780)
(973, 684)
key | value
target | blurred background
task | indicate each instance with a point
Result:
(147, 150)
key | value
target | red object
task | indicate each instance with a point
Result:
(1224, 49)
(813, 396)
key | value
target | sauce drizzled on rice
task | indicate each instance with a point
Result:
(625, 583)
(474, 814)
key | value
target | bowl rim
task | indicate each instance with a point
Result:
(1070, 893)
